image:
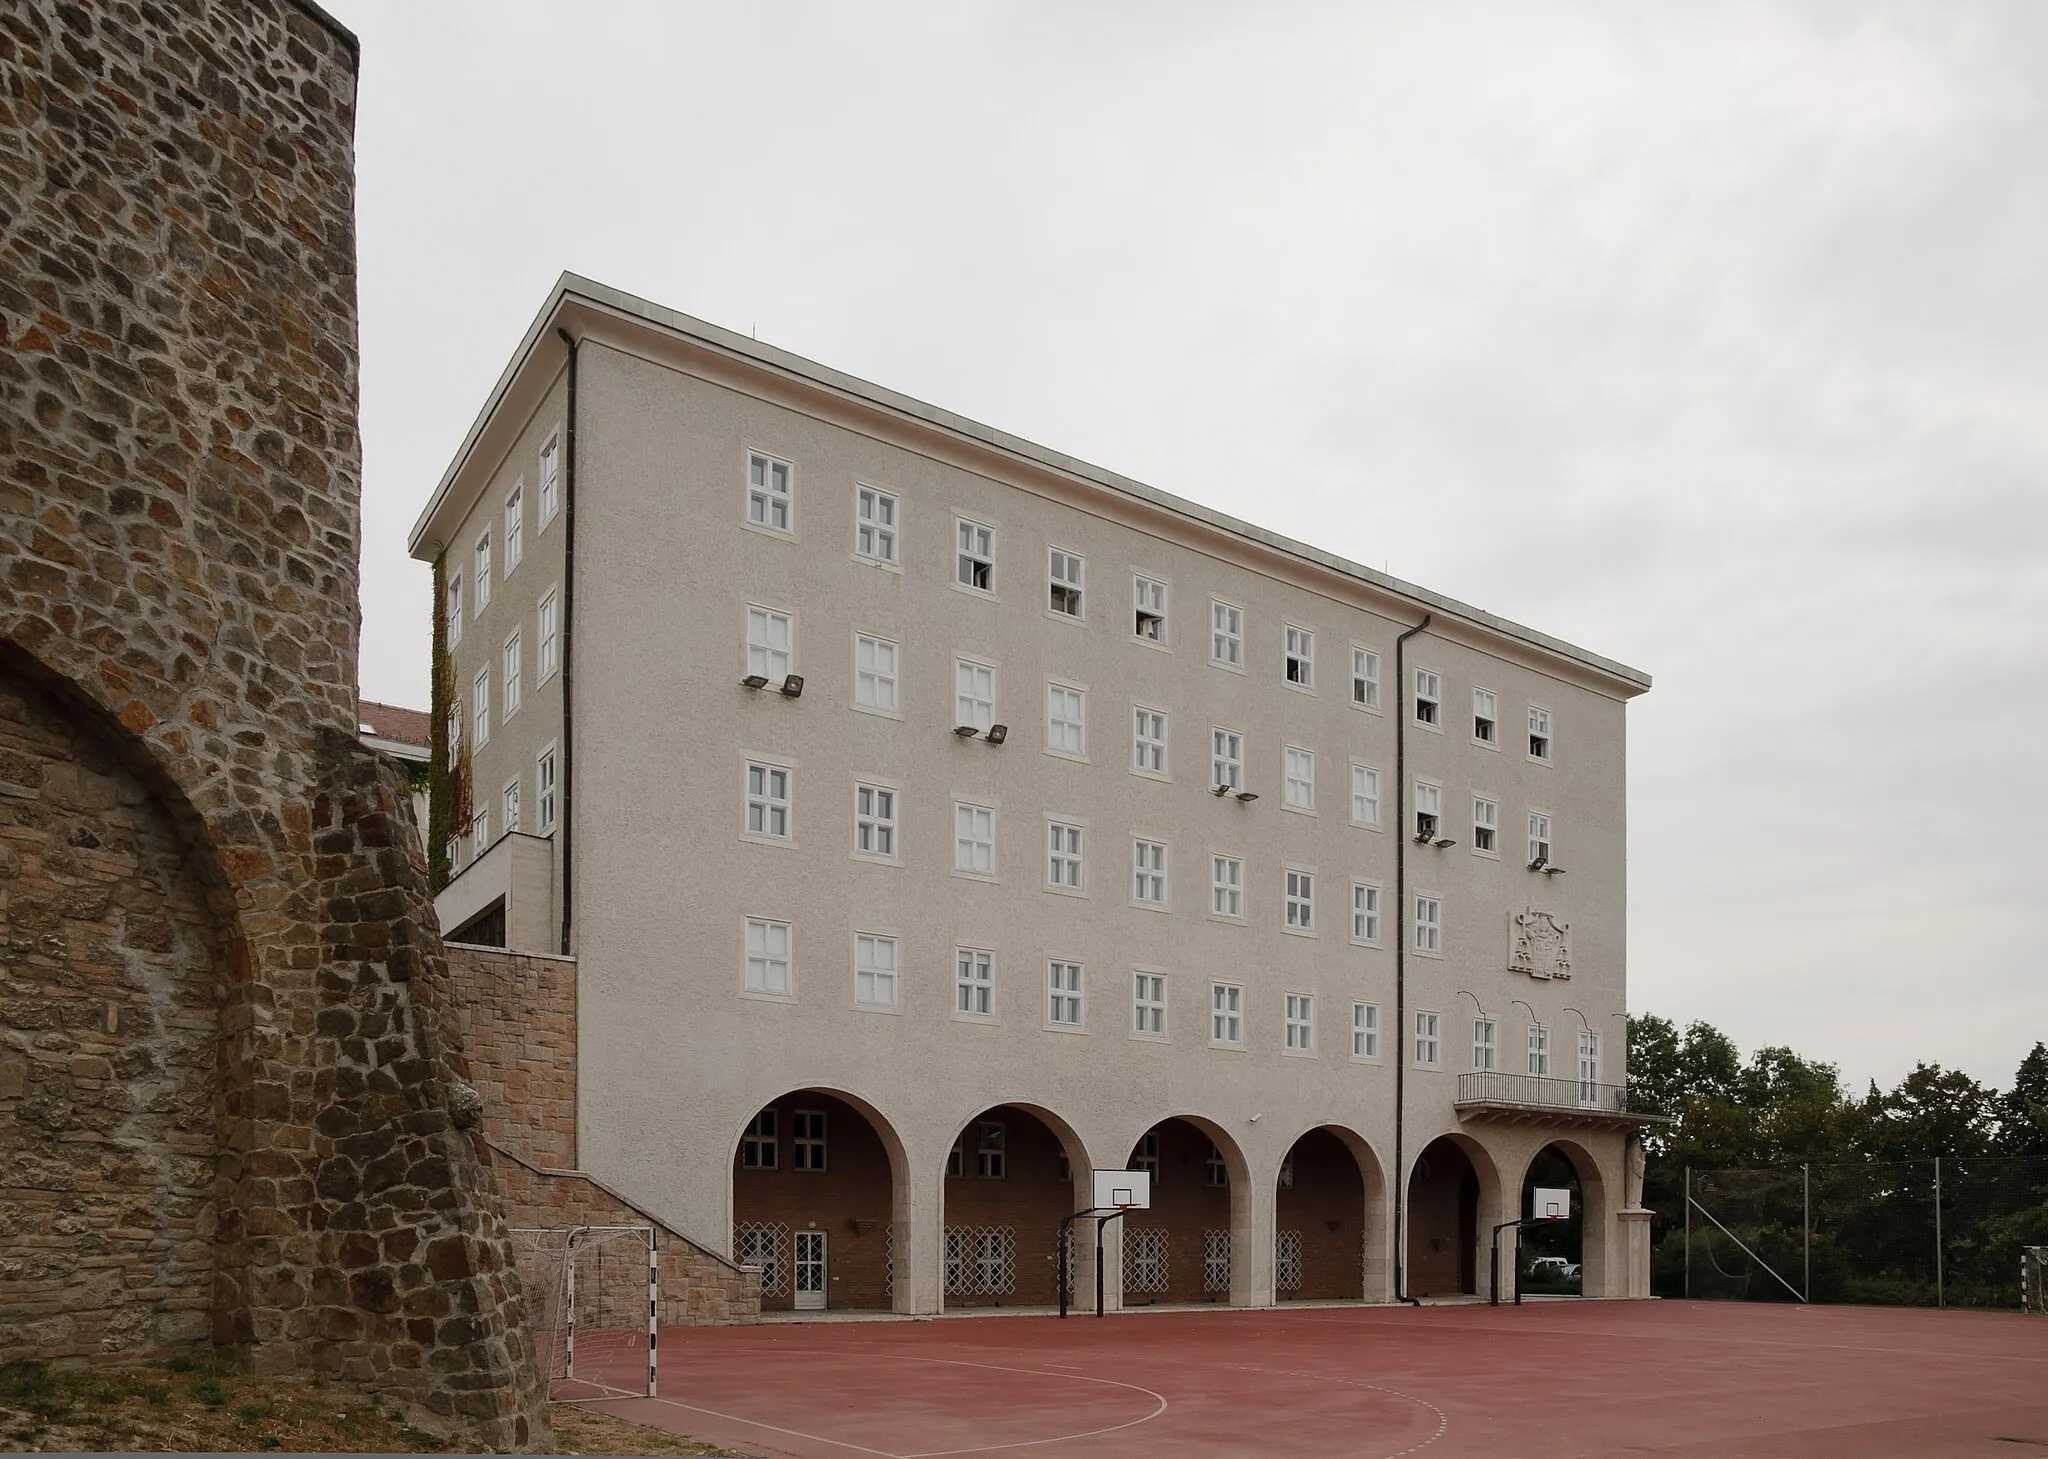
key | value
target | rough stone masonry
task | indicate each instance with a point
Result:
(233, 1115)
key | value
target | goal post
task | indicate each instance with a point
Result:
(592, 1295)
(2034, 1279)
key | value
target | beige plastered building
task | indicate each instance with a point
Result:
(866, 988)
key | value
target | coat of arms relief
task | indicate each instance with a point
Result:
(1537, 946)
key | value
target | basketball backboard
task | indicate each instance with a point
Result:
(1550, 1205)
(1126, 1189)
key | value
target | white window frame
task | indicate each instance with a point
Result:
(1150, 601)
(480, 829)
(1485, 716)
(1485, 1046)
(1539, 1050)
(763, 494)
(882, 687)
(1226, 635)
(1066, 994)
(1150, 869)
(1066, 581)
(1589, 1068)
(1298, 657)
(480, 709)
(1365, 678)
(1066, 856)
(1365, 1032)
(970, 818)
(547, 627)
(882, 824)
(1427, 689)
(762, 656)
(508, 804)
(1541, 726)
(1226, 1015)
(974, 542)
(1542, 844)
(480, 576)
(767, 801)
(1365, 795)
(1485, 825)
(970, 707)
(515, 526)
(1225, 890)
(1298, 901)
(1298, 780)
(974, 984)
(451, 606)
(547, 789)
(1429, 801)
(877, 972)
(1368, 906)
(514, 691)
(1148, 1004)
(1150, 742)
(1066, 738)
(1427, 925)
(1226, 757)
(1298, 1025)
(548, 473)
(876, 540)
(769, 958)
(1429, 1036)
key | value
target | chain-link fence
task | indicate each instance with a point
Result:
(1929, 1233)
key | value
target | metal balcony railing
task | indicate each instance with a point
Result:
(1537, 1092)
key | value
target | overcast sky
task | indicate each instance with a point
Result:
(1713, 338)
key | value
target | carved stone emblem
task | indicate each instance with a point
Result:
(1537, 946)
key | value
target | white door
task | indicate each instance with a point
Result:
(810, 1270)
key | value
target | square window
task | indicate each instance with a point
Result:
(874, 525)
(758, 1146)
(547, 630)
(454, 604)
(1485, 717)
(1429, 695)
(1066, 720)
(1226, 634)
(768, 961)
(1429, 806)
(1365, 678)
(1299, 1028)
(771, 644)
(1298, 785)
(1226, 886)
(544, 789)
(1148, 609)
(515, 664)
(1148, 872)
(1365, 795)
(1429, 925)
(1539, 1051)
(1365, 912)
(1539, 733)
(974, 839)
(974, 982)
(1300, 657)
(976, 568)
(874, 674)
(768, 491)
(1301, 901)
(1539, 840)
(550, 480)
(508, 803)
(1148, 740)
(480, 707)
(1226, 760)
(1485, 1048)
(974, 695)
(874, 970)
(1365, 1030)
(482, 572)
(1063, 573)
(1428, 1040)
(1063, 994)
(1226, 1015)
(807, 1145)
(1148, 1004)
(1063, 856)
(874, 821)
(767, 800)
(515, 528)
(1485, 826)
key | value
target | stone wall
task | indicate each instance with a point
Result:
(179, 537)
(517, 1016)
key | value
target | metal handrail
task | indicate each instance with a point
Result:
(1537, 1091)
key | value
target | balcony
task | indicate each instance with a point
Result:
(1530, 1099)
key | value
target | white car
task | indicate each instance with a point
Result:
(1553, 1266)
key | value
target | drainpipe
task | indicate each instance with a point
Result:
(566, 821)
(1400, 910)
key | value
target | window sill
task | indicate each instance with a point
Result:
(986, 595)
(1493, 745)
(1372, 709)
(1377, 945)
(1227, 919)
(985, 1020)
(759, 529)
(1298, 687)
(895, 714)
(1374, 826)
(1432, 956)
(885, 564)
(760, 997)
(1066, 1028)
(874, 860)
(1077, 619)
(1052, 891)
(1299, 932)
(1070, 756)
(1159, 775)
(1369, 1059)
(1236, 1048)
(1299, 810)
(1424, 725)
(1158, 645)
(1486, 855)
(1540, 759)
(781, 842)
(1159, 907)
(1226, 666)
(894, 1010)
(988, 877)
(1287, 1053)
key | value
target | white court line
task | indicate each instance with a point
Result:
(1443, 1421)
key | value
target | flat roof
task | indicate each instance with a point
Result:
(616, 303)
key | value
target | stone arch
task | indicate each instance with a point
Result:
(1593, 1221)
(1210, 1229)
(829, 1172)
(1448, 1224)
(1345, 1261)
(1012, 1172)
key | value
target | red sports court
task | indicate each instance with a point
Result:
(1558, 1378)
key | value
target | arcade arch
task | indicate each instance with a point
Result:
(1329, 1229)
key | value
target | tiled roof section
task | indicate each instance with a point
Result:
(392, 722)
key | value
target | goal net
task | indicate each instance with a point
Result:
(2034, 1278)
(590, 1294)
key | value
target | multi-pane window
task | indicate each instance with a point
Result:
(1226, 1014)
(1539, 839)
(1485, 825)
(807, 1140)
(1485, 717)
(1226, 634)
(1145, 1155)
(768, 494)
(1485, 1046)
(1301, 901)
(974, 982)
(1148, 608)
(550, 480)
(1066, 720)
(515, 528)
(1589, 1067)
(767, 800)
(1299, 1027)
(547, 627)
(1148, 1004)
(480, 710)
(768, 957)
(1148, 740)
(974, 695)
(1365, 1030)
(1299, 657)
(1429, 697)
(1539, 1050)
(974, 839)
(874, 673)
(454, 605)
(1226, 886)
(454, 730)
(1365, 795)
(874, 820)
(482, 573)
(544, 789)
(1428, 1039)
(991, 1151)
(1063, 855)
(480, 829)
(758, 1145)
(1215, 1170)
(515, 675)
(1063, 993)
(771, 644)
(1298, 783)
(1365, 912)
(874, 525)
(1429, 806)
(1148, 872)
(1063, 575)
(508, 802)
(1429, 924)
(1226, 759)
(1365, 678)
(874, 970)
(1539, 733)
(976, 568)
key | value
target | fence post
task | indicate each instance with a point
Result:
(1806, 1228)
(1940, 1296)
(1688, 1233)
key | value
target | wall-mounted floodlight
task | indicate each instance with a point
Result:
(1538, 863)
(1221, 790)
(1423, 838)
(754, 681)
(1443, 842)
(997, 733)
(1553, 871)
(793, 687)
(1246, 797)
(965, 731)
